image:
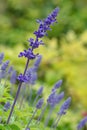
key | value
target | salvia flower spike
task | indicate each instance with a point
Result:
(65, 106)
(39, 92)
(61, 112)
(6, 106)
(57, 85)
(1, 57)
(38, 106)
(5, 65)
(29, 54)
(82, 123)
(13, 77)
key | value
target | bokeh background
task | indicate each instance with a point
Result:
(65, 50)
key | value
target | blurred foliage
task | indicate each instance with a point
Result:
(68, 62)
(18, 18)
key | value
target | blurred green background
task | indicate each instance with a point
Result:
(65, 50)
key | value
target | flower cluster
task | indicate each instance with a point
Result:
(44, 25)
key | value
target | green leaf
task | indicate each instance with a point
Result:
(14, 127)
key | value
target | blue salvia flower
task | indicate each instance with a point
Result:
(59, 97)
(38, 60)
(41, 32)
(51, 98)
(43, 27)
(57, 85)
(82, 123)
(31, 76)
(45, 24)
(7, 106)
(38, 106)
(39, 92)
(22, 78)
(28, 54)
(1, 57)
(62, 111)
(27, 128)
(50, 101)
(2, 74)
(10, 69)
(35, 44)
(13, 77)
(39, 103)
(65, 106)
(5, 65)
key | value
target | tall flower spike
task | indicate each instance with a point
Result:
(38, 106)
(38, 60)
(59, 97)
(43, 27)
(13, 77)
(65, 106)
(39, 103)
(5, 65)
(31, 76)
(82, 123)
(39, 92)
(1, 57)
(57, 85)
(52, 99)
(46, 23)
(10, 69)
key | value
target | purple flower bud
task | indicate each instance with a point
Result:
(57, 85)
(2, 74)
(5, 65)
(35, 43)
(52, 98)
(82, 123)
(38, 60)
(39, 92)
(65, 106)
(13, 77)
(22, 78)
(27, 53)
(27, 128)
(10, 69)
(59, 97)
(6, 106)
(39, 103)
(1, 57)
(31, 76)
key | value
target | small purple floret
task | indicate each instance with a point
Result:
(13, 77)
(39, 92)
(22, 78)
(57, 85)
(39, 103)
(7, 106)
(5, 65)
(27, 53)
(1, 57)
